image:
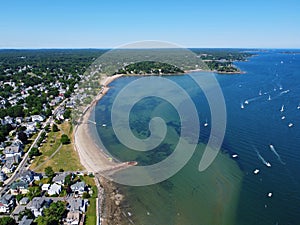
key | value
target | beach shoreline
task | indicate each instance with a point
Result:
(92, 157)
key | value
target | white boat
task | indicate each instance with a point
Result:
(283, 117)
(282, 108)
(242, 106)
(260, 92)
(268, 164)
(234, 156)
(298, 107)
(206, 124)
(256, 171)
(270, 194)
(281, 62)
(104, 125)
(246, 102)
(291, 124)
(269, 99)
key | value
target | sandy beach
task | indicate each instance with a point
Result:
(91, 156)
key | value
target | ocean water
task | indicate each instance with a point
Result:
(228, 192)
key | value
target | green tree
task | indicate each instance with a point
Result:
(55, 128)
(34, 192)
(23, 137)
(27, 213)
(67, 114)
(53, 214)
(34, 152)
(6, 220)
(64, 139)
(49, 172)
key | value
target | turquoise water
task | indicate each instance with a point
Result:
(228, 192)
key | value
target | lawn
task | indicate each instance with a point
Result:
(91, 217)
(66, 158)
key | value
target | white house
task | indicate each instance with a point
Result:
(37, 118)
(78, 187)
(45, 187)
(31, 127)
(54, 189)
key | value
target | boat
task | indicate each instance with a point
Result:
(268, 164)
(298, 107)
(283, 117)
(291, 124)
(242, 106)
(246, 102)
(256, 171)
(260, 92)
(234, 156)
(206, 124)
(269, 99)
(282, 108)
(270, 194)
(104, 125)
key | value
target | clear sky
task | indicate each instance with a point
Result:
(189, 23)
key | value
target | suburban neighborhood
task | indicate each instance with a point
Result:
(36, 99)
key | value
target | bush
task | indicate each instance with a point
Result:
(65, 139)
(55, 128)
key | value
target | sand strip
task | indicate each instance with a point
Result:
(92, 157)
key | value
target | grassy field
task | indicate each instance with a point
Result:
(66, 158)
(91, 217)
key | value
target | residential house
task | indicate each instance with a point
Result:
(2, 146)
(19, 187)
(8, 120)
(9, 165)
(24, 201)
(27, 176)
(7, 202)
(19, 120)
(54, 189)
(13, 150)
(77, 204)
(60, 178)
(3, 176)
(36, 206)
(45, 187)
(30, 127)
(73, 218)
(78, 188)
(37, 176)
(26, 221)
(17, 142)
(37, 118)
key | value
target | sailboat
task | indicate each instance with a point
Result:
(282, 108)
(242, 106)
(269, 99)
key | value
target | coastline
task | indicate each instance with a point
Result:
(92, 157)
(95, 160)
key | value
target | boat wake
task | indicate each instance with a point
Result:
(272, 148)
(262, 158)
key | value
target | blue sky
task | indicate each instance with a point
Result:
(189, 23)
